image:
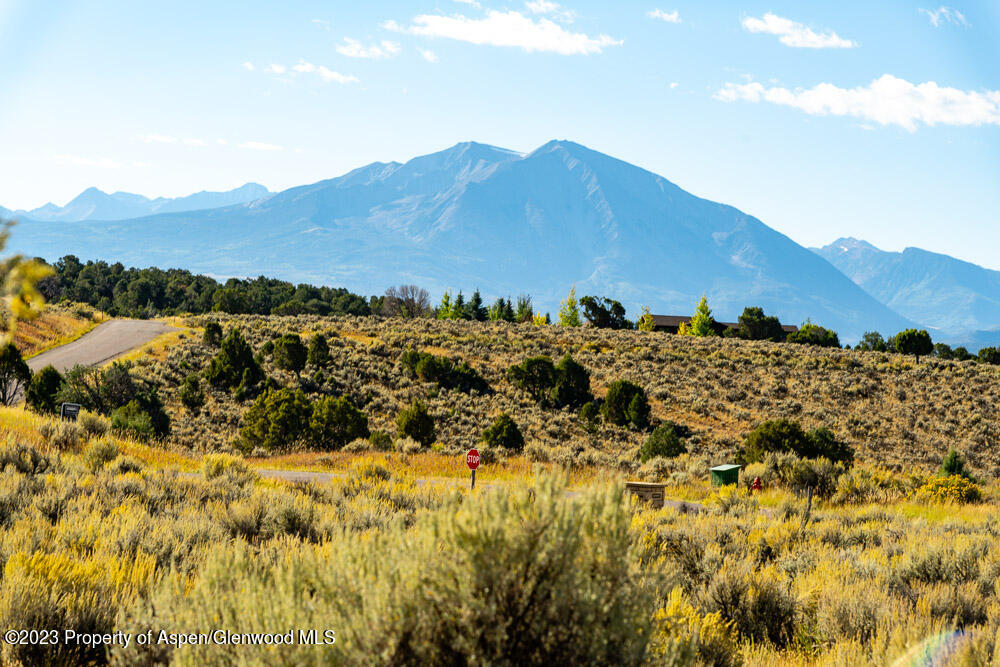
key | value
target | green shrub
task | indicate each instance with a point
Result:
(811, 334)
(954, 464)
(234, 366)
(335, 422)
(133, 420)
(444, 372)
(276, 420)
(823, 443)
(42, 390)
(380, 441)
(62, 435)
(626, 405)
(572, 384)
(191, 395)
(226, 465)
(93, 424)
(504, 433)
(319, 351)
(415, 422)
(290, 354)
(663, 441)
(535, 375)
(99, 453)
(775, 435)
(590, 415)
(14, 374)
(24, 459)
(213, 334)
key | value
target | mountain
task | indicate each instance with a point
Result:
(93, 204)
(938, 291)
(480, 216)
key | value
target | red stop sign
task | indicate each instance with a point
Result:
(472, 459)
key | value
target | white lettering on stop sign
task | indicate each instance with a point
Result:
(472, 459)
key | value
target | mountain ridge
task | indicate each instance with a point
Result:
(478, 215)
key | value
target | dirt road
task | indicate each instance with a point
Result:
(100, 345)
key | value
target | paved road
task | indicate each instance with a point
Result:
(305, 476)
(101, 344)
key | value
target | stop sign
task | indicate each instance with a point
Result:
(472, 459)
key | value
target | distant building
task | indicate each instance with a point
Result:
(672, 324)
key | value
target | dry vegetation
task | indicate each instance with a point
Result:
(57, 325)
(892, 411)
(102, 533)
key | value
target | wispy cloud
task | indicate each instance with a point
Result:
(158, 139)
(553, 9)
(81, 161)
(353, 48)
(474, 3)
(945, 15)
(428, 55)
(194, 142)
(325, 25)
(887, 100)
(509, 28)
(260, 146)
(669, 17)
(795, 34)
(248, 66)
(275, 69)
(328, 75)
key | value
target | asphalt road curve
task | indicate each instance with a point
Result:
(100, 345)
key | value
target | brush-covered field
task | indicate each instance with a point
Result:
(547, 561)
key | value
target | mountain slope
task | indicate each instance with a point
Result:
(476, 215)
(94, 204)
(936, 290)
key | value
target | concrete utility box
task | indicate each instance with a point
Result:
(649, 492)
(725, 474)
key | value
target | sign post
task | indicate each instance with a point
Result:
(472, 460)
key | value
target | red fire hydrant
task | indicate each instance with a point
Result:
(756, 485)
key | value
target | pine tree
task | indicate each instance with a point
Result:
(569, 310)
(444, 310)
(525, 313)
(477, 311)
(702, 323)
(458, 309)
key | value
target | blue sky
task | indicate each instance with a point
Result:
(823, 119)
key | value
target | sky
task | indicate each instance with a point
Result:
(823, 119)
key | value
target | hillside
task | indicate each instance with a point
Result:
(888, 409)
(480, 216)
(959, 299)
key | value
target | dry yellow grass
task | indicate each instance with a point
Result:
(159, 348)
(56, 326)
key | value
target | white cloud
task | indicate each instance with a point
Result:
(80, 161)
(158, 139)
(945, 15)
(260, 146)
(553, 9)
(508, 28)
(428, 55)
(194, 142)
(325, 25)
(887, 100)
(248, 66)
(673, 85)
(474, 3)
(329, 75)
(303, 67)
(669, 17)
(352, 48)
(275, 69)
(795, 34)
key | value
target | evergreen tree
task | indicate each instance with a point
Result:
(444, 309)
(524, 311)
(234, 364)
(319, 351)
(754, 325)
(572, 385)
(872, 341)
(476, 309)
(336, 422)
(42, 390)
(415, 422)
(569, 310)
(504, 434)
(459, 311)
(290, 354)
(701, 323)
(535, 375)
(191, 395)
(912, 341)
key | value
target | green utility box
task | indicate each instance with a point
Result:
(725, 474)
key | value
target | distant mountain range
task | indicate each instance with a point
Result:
(959, 299)
(480, 216)
(93, 204)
